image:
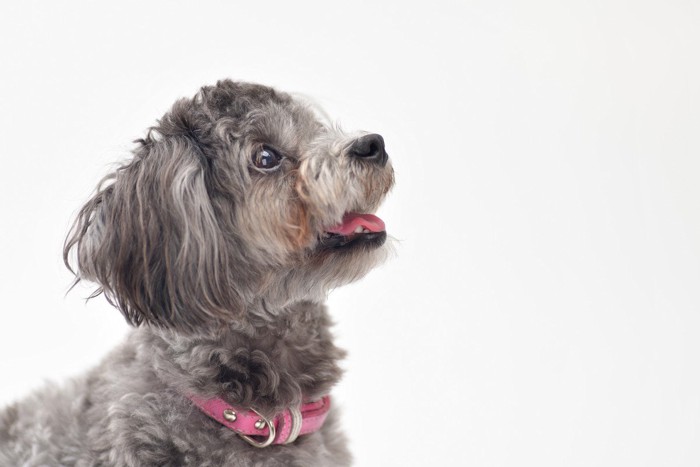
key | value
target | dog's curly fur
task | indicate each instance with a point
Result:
(227, 266)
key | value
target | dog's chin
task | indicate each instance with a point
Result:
(342, 253)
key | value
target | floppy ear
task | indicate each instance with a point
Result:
(149, 237)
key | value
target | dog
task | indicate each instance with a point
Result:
(219, 241)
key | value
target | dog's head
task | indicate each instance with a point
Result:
(238, 199)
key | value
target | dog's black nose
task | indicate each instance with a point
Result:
(369, 148)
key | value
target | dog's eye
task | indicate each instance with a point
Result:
(266, 158)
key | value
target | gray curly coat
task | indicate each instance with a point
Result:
(214, 236)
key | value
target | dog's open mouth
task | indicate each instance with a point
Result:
(355, 229)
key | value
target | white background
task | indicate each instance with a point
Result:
(543, 306)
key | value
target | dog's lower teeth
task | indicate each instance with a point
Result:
(365, 231)
(359, 229)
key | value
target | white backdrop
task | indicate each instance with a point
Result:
(543, 307)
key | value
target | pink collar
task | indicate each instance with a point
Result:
(283, 428)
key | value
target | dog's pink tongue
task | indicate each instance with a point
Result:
(353, 220)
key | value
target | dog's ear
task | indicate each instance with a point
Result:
(150, 238)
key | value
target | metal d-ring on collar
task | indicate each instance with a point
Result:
(296, 418)
(262, 422)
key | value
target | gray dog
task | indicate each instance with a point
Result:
(223, 234)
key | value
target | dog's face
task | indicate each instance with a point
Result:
(239, 199)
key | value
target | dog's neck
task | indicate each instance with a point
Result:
(269, 363)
